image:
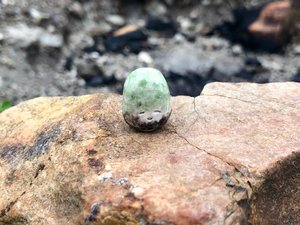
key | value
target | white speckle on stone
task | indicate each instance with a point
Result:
(144, 57)
(122, 181)
(108, 167)
(137, 191)
(105, 176)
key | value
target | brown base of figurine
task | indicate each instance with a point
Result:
(139, 125)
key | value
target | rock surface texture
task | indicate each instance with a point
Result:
(230, 156)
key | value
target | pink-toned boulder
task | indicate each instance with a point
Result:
(230, 156)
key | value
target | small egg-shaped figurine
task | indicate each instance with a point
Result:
(146, 99)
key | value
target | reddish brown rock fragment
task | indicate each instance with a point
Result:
(272, 22)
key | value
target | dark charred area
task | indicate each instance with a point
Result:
(42, 142)
(10, 153)
(16, 155)
(95, 164)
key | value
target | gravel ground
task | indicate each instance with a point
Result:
(56, 47)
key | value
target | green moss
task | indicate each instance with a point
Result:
(5, 105)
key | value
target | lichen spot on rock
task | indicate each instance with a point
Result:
(146, 99)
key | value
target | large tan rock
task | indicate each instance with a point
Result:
(229, 156)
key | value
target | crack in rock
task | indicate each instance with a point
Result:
(238, 188)
(6, 210)
(207, 152)
(224, 96)
(196, 111)
(195, 108)
(213, 155)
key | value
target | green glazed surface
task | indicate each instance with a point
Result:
(146, 89)
(146, 99)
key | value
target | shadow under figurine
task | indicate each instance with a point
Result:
(146, 100)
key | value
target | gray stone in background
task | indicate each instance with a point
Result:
(226, 67)
(185, 59)
(42, 44)
(23, 36)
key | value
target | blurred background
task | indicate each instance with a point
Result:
(75, 47)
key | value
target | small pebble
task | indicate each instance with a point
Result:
(35, 15)
(144, 57)
(156, 8)
(237, 50)
(115, 20)
(76, 9)
(179, 38)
